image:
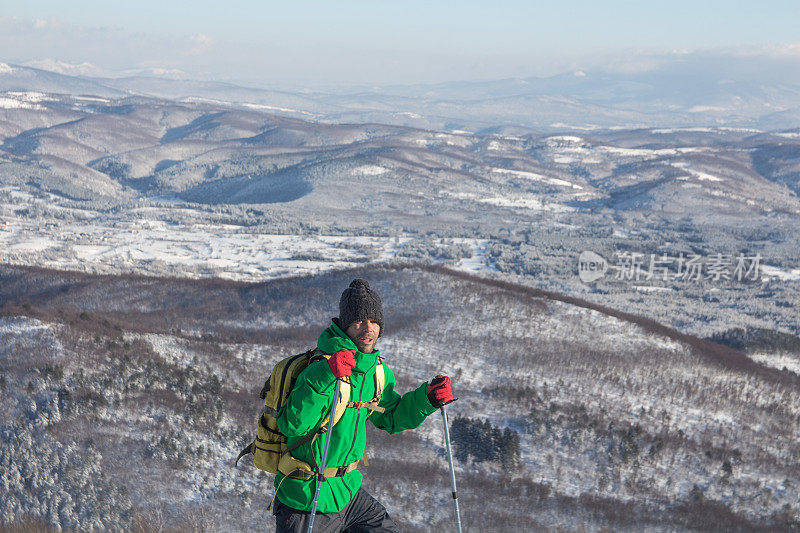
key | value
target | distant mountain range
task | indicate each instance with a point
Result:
(679, 94)
(113, 146)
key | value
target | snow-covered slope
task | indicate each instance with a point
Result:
(216, 153)
(156, 380)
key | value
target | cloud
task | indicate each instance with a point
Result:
(630, 61)
(60, 46)
(201, 44)
(778, 51)
(775, 63)
(72, 48)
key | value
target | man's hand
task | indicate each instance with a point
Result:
(439, 391)
(342, 363)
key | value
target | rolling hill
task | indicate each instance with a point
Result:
(138, 393)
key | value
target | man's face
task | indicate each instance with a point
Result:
(365, 334)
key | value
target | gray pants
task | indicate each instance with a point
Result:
(363, 514)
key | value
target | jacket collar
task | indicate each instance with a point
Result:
(334, 339)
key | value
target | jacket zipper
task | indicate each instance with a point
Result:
(355, 433)
(358, 416)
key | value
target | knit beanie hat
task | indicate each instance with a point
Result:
(359, 302)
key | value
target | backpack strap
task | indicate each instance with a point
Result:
(341, 406)
(342, 470)
(344, 393)
(380, 382)
(295, 469)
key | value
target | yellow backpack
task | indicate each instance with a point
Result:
(269, 449)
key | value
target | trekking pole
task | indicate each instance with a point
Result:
(452, 469)
(321, 473)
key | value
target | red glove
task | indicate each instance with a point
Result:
(342, 363)
(439, 391)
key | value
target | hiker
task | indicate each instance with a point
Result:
(351, 339)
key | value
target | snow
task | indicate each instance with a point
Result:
(371, 170)
(97, 99)
(173, 349)
(769, 271)
(722, 194)
(24, 331)
(461, 141)
(537, 177)
(560, 139)
(28, 96)
(720, 129)
(6, 69)
(705, 108)
(529, 202)
(22, 326)
(198, 250)
(523, 202)
(32, 244)
(648, 288)
(779, 361)
(565, 160)
(585, 127)
(700, 175)
(636, 152)
(691, 149)
(275, 108)
(667, 131)
(476, 263)
(21, 100)
(247, 105)
(13, 103)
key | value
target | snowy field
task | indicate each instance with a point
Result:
(154, 247)
(608, 415)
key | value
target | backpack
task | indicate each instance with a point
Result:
(269, 449)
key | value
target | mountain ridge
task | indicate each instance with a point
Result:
(694, 94)
(730, 358)
(162, 392)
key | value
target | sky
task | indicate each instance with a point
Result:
(375, 42)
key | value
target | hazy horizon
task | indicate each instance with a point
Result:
(365, 44)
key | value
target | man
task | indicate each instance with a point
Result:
(343, 505)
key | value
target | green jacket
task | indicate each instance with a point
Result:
(310, 401)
